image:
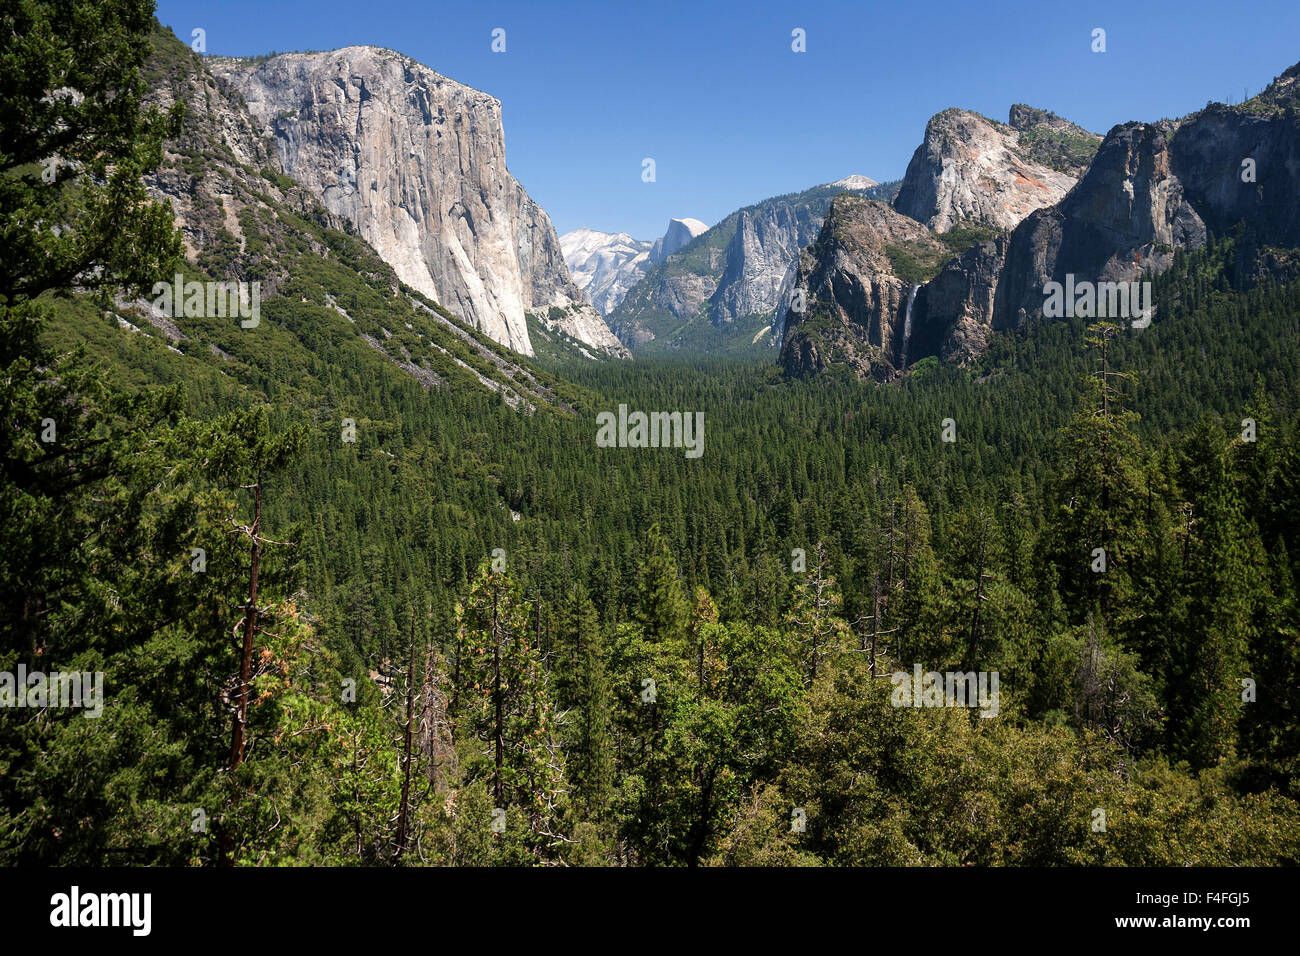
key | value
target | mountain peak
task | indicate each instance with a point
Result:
(974, 169)
(694, 226)
(679, 233)
(855, 181)
(604, 265)
(1282, 93)
(1023, 117)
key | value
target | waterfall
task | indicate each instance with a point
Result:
(907, 326)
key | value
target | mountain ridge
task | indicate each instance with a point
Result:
(720, 289)
(1150, 189)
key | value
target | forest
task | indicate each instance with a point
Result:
(345, 618)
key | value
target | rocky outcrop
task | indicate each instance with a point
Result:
(950, 317)
(1052, 140)
(324, 288)
(605, 265)
(763, 254)
(1149, 190)
(1154, 188)
(679, 233)
(1243, 163)
(970, 169)
(855, 288)
(417, 163)
(1127, 215)
(766, 242)
(212, 200)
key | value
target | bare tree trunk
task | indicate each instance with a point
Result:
(875, 619)
(979, 599)
(700, 638)
(434, 725)
(240, 717)
(250, 630)
(356, 791)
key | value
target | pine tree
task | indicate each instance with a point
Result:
(508, 705)
(1099, 537)
(590, 762)
(1227, 584)
(77, 142)
(662, 607)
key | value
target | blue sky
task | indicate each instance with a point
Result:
(731, 115)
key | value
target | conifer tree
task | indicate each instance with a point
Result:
(1099, 537)
(662, 607)
(508, 705)
(813, 611)
(1227, 585)
(590, 763)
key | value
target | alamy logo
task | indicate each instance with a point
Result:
(58, 689)
(210, 300)
(102, 909)
(951, 689)
(655, 430)
(1099, 300)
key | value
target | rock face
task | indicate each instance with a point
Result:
(1209, 153)
(763, 254)
(242, 219)
(1150, 189)
(970, 169)
(950, 317)
(605, 265)
(1128, 214)
(417, 163)
(766, 242)
(855, 302)
(1154, 188)
(679, 233)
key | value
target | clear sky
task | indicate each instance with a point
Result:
(715, 95)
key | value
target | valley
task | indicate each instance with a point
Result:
(898, 523)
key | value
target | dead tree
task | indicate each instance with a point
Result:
(815, 601)
(240, 718)
(403, 819)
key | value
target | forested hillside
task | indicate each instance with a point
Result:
(349, 614)
(635, 564)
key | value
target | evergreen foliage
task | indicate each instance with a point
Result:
(639, 671)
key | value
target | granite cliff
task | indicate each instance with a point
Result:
(1149, 190)
(416, 162)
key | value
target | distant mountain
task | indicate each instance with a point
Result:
(678, 234)
(416, 162)
(721, 290)
(604, 265)
(855, 182)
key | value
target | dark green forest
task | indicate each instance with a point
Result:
(458, 632)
